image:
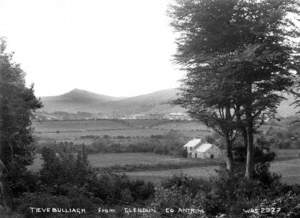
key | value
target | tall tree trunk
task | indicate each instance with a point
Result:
(245, 137)
(250, 155)
(228, 137)
(229, 158)
(249, 128)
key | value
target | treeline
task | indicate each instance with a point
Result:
(170, 143)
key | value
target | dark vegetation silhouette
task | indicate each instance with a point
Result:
(17, 102)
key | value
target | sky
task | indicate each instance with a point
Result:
(112, 47)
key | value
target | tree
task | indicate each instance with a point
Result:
(211, 103)
(263, 71)
(203, 50)
(17, 104)
(254, 36)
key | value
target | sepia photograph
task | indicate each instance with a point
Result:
(149, 108)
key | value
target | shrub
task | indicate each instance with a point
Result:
(286, 205)
(26, 182)
(65, 174)
(180, 192)
(262, 158)
(229, 194)
(186, 184)
(61, 168)
(117, 190)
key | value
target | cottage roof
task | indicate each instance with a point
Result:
(204, 147)
(192, 143)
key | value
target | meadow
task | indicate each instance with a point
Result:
(147, 166)
(155, 168)
(75, 130)
(127, 162)
(288, 169)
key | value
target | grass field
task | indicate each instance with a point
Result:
(289, 169)
(158, 176)
(286, 154)
(73, 130)
(136, 160)
(152, 167)
(111, 159)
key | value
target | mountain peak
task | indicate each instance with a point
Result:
(79, 91)
(84, 95)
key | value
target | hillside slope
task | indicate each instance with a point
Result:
(102, 106)
(75, 101)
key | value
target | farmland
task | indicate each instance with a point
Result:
(75, 130)
(134, 161)
(163, 166)
(147, 166)
(288, 169)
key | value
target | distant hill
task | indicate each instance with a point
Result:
(81, 104)
(84, 104)
(75, 101)
(79, 95)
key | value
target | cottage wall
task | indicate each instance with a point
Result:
(213, 152)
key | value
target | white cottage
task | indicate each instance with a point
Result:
(198, 149)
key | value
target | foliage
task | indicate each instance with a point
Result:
(180, 192)
(119, 190)
(238, 56)
(229, 194)
(62, 168)
(263, 156)
(286, 205)
(17, 103)
(284, 134)
(186, 184)
(66, 180)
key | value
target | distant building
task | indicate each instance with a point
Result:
(196, 148)
(177, 116)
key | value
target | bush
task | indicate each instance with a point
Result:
(18, 181)
(117, 190)
(180, 192)
(229, 194)
(62, 168)
(186, 184)
(286, 205)
(262, 158)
